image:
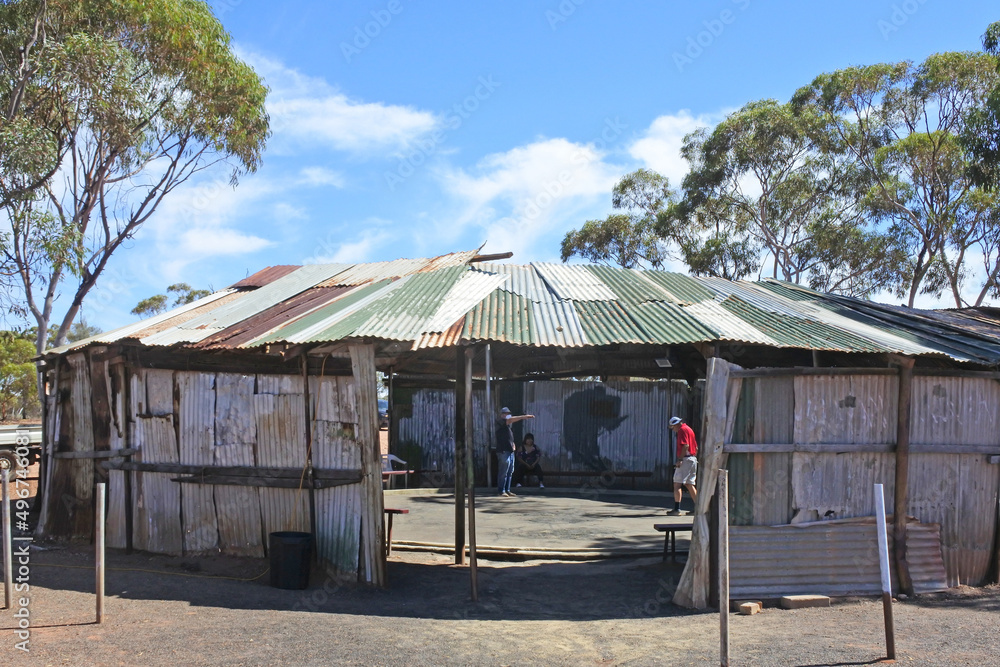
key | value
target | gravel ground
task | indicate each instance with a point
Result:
(539, 613)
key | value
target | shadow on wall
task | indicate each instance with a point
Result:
(586, 415)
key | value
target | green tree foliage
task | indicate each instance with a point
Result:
(762, 188)
(900, 125)
(106, 107)
(982, 132)
(627, 239)
(160, 303)
(18, 392)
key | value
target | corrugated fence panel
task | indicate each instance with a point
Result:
(116, 478)
(835, 560)
(196, 429)
(281, 443)
(338, 510)
(157, 499)
(237, 507)
(958, 491)
(845, 409)
(73, 479)
(427, 434)
(839, 486)
(774, 421)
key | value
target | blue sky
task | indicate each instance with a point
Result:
(406, 128)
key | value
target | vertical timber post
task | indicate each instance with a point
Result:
(902, 474)
(8, 547)
(883, 562)
(460, 458)
(99, 550)
(489, 412)
(470, 474)
(372, 507)
(723, 501)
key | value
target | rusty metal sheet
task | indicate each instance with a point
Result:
(281, 443)
(196, 440)
(157, 500)
(338, 509)
(838, 486)
(838, 559)
(237, 507)
(845, 409)
(265, 276)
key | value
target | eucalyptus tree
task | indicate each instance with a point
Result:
(627, 239)
(900, 124)
(109, 106)
(766, 191)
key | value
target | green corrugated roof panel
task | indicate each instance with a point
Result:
(669, 324)
(607, 322)
(685, 288)
(292, 330)
(629, 285)
(794, 332)
(502, 316)
(403, 312)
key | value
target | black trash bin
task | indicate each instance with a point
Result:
(290, 555)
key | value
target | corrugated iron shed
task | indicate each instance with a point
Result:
(427, 302)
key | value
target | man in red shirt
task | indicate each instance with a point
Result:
(686, 467)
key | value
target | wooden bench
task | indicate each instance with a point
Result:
(390, 513)
(670, 531)
(598, 473)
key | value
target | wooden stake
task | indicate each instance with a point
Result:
(470, 475)
(723, 501)
(8, 547)
(489, 412)
(99, 550)
(460, 459)
(902, 474)
(883, 562)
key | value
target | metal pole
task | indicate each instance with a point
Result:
(8, 548)
(489, 413)
(723, 501)
(99, 549)
(883, 561)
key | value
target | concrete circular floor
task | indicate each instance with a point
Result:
(573, 522)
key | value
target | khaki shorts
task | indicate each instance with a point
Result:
(687, 471)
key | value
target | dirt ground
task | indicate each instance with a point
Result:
(179, 611)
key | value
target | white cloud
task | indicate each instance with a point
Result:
(529, 191)
(308, 109)
(336, 249)
(660, 148)
(321, 176)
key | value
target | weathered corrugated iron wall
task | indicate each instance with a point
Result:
(579, 426)
(206, 419)
(839, 434)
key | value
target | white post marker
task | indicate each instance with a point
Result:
(99, 549)
(883, 560)
(8, 547)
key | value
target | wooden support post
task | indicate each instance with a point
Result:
(489, 412)
(900, 508)
(372, 506)
(724, 568)
(883, 561)
(309, 473)
(8, 546)
(470, 474)
(99, 550)
(460, 459)
(128, 419)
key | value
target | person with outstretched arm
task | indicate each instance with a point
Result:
(505, 449)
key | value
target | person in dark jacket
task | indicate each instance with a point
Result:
(528, 461)
(505, 449)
